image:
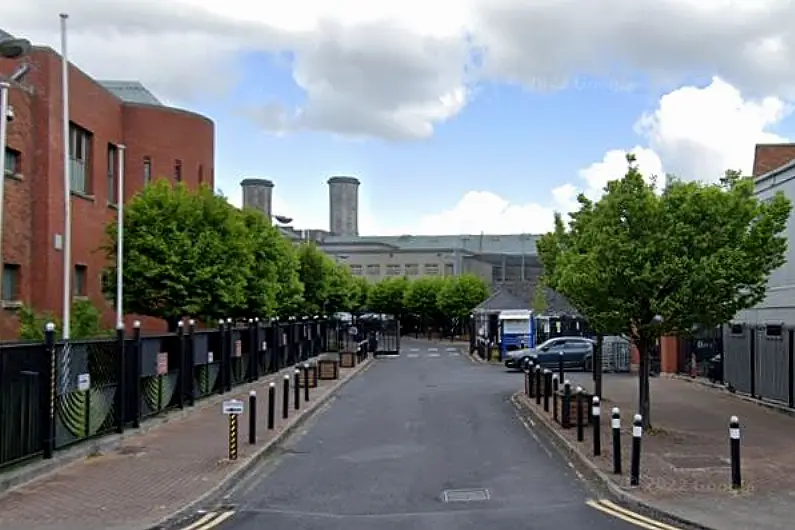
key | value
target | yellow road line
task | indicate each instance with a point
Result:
(210, 520)
(628, 516)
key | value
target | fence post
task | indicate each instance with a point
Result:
(259, 351)
(183, 373)
(752, 369)
(121, 374)
(224, 364)
(790, 368)
(253, 351)
(191, 362)
(230, 343)
(137, 364)
(49, 392)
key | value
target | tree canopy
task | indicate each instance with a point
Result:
(647, 263)
(192, 253)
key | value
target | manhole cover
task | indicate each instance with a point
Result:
(472, 495)
(696, 461)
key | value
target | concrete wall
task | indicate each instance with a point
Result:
(258, 194)
(344, 206)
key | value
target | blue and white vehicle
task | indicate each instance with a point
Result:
(517, 330)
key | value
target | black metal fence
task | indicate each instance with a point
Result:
(56, 394)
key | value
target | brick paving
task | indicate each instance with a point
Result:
(149, 476)
(685, 458)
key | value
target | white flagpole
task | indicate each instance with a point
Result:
(120, 242)
(67, 193)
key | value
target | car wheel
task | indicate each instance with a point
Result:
(587, 365)
(523, 363)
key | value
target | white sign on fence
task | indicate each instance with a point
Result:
(83, 382)
(233, 406)
(209, 357)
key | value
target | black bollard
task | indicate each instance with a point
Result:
(252, 417)
(615, 424)
(271, 405)
(538, 385)
(306, 382)
(286, 397)
(637, 435)
(526, 369)
(580, 415)
(530, 377)
(734, 449)
(547, 388)
(565, 416)
(561, 374)
(555, 397)
(297, 389)
(596, 418)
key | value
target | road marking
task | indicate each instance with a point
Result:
(210, 520)
(454, 354)
(628, 516)
(433, 355)
(451, 349)
(415, 349)
(433, 349)
(413, 355)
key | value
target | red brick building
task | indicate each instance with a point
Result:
(161, 142)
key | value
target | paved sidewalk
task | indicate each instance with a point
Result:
(153, 475)
(685, 458)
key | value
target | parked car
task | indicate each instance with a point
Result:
(577, 353)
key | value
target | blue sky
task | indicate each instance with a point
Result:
(516, 143)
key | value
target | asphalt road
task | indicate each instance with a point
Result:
(397, 437)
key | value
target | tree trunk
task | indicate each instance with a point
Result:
(644, 399)
(597, 366)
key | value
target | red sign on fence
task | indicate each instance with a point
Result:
(162, 363)
(238, 348)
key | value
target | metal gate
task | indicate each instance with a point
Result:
(385, 330)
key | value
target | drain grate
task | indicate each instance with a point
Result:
(469, 495)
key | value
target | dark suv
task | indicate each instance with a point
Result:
(577, 352)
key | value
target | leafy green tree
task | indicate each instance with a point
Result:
(651, 264)
(341, 289)
(387, 296)
(539, 303)
(422, 299)
(360, 292)
(85, 322)
(315, 269)
(185, 253)
(267, 260)
(289, 289)
(460, 295)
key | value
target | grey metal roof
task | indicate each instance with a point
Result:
(131, 92)
(501, 300)
(479, 244)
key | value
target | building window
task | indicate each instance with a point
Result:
(201, 174)
(178, 171)
(11, 282)
(448, 269)
(113, 170)
(412, 269)
(79, 153)
(374, 270)
(81, 275)
(12, 164)
(147, 170)
(432, 269)
(356, 270)
(393, 270)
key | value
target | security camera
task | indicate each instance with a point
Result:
(10, 114)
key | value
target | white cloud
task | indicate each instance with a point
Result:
(694, 133)
(396, 68)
